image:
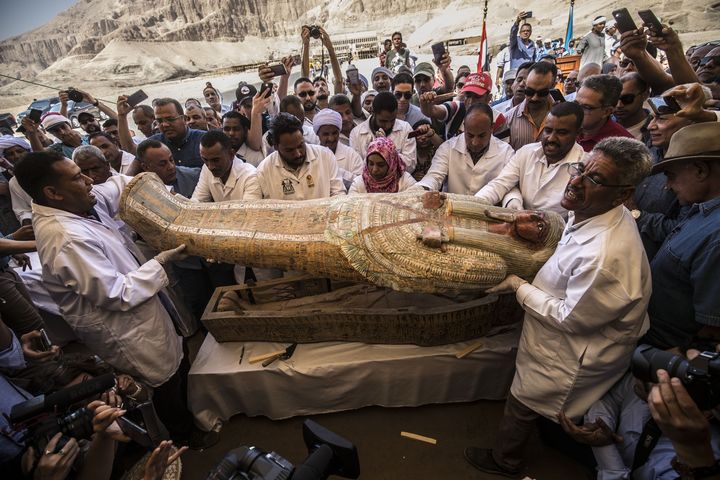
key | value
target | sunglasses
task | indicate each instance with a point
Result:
(705, 60)
(629, 98)
(308, 93)
(530, 92)
(401, 95)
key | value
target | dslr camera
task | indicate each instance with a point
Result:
(74, 95)
(328, 454)
(315, 31)
(700, 376)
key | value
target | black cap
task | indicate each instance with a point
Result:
(85, 114)
(245, 90)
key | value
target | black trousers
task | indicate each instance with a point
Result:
(170, 401)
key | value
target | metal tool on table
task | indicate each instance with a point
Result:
(283, 356)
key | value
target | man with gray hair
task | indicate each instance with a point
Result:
(598, 97)
(92, 163)
(584, 310)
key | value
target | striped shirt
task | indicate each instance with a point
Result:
(522, 126)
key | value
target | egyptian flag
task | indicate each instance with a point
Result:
(569, 33)
(482, 65)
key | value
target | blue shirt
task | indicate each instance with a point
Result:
(519, 52)
(187, 152)
(10, 359)
(686, 290)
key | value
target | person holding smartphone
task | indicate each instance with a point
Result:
(522, 48)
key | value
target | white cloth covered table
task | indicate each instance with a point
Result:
(335, 376)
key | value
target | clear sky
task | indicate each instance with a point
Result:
(19, 16)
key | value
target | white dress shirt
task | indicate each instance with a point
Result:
(584, 313)
(362, 135)
(358, 185)
(528, 179)
(253, 157)
(349, 162)
(318, 177)
(453, 162)
(21, 201)
(105, 289)
(242, 184)
(125, 161)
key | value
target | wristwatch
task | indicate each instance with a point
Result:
(636, 213)
(689, 473)
(95, 103)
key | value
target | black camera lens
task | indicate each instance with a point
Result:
(75, 96)
(77, 424)
(315, 31)
(647, 360)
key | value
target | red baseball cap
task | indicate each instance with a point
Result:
(478, 83)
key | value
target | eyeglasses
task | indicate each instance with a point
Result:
(587, 108)
(405, 95)
(530, 92)
(628, 98)
(571, 81)
(307, 93)
(578, 170)
(705, 60)
(167, 120)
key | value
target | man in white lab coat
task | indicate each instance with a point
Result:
(585, 309)
(106, 291)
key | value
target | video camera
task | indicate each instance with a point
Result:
(44, 416)
(700, 376)
(328, 454)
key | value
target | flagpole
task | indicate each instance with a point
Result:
(569, 31)
(482, 53)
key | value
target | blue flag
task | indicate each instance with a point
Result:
(569, 34)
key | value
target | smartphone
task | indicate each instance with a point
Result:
(264, 87)
(414, 133)
(557, 95)
(353, 75)
(279, 70)
(528, 14)
(438, 50)
(663, 105)
(44, 340)
(35, 115)
(136, 433)
(624, 21)
(651, 21)
(135, 99)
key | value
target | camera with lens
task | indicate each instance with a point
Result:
(74, 95)
(41, 417)
(315, 31)
(328, 454)
(700, 376)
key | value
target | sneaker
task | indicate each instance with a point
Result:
(482, 459)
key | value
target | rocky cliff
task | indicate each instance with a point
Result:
(110, 38)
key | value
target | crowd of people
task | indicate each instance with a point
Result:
(625, 148)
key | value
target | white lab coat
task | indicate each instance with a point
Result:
(108, 295)
(528, 178)
(584, 313)
(242, 184)
(453, 162)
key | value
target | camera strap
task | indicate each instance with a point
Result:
(648, 439)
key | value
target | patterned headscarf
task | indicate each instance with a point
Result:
(396, 167)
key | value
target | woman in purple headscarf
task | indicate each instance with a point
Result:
(384, 170)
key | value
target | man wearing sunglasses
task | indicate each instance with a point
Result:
(526, 120)
(598, 97)
(402, 88)
(584, 310)
(305, 90)
(709, 67)
(629, 111)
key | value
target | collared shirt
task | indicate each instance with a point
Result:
(522, 126)
(187, 153)
(455, 116)
(414, 115)
(362, 135)
(584, 312)
(528, 178)
(686, 291)
(519, 52)
(67, 150)
(610, 129)
(349, 163)
(318, 177)
(125, 161)
(105, 290)
(253, 157)
(242, 184)
(21, 201)
(358, 185)
(453, 163)
(186, 179)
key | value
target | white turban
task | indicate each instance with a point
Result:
(327, 116)
(7, 141)
(52, 119)
(599, 20)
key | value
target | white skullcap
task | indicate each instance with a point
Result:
(599, 20)
(327, 116)
(53, 119)
(7, 141)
